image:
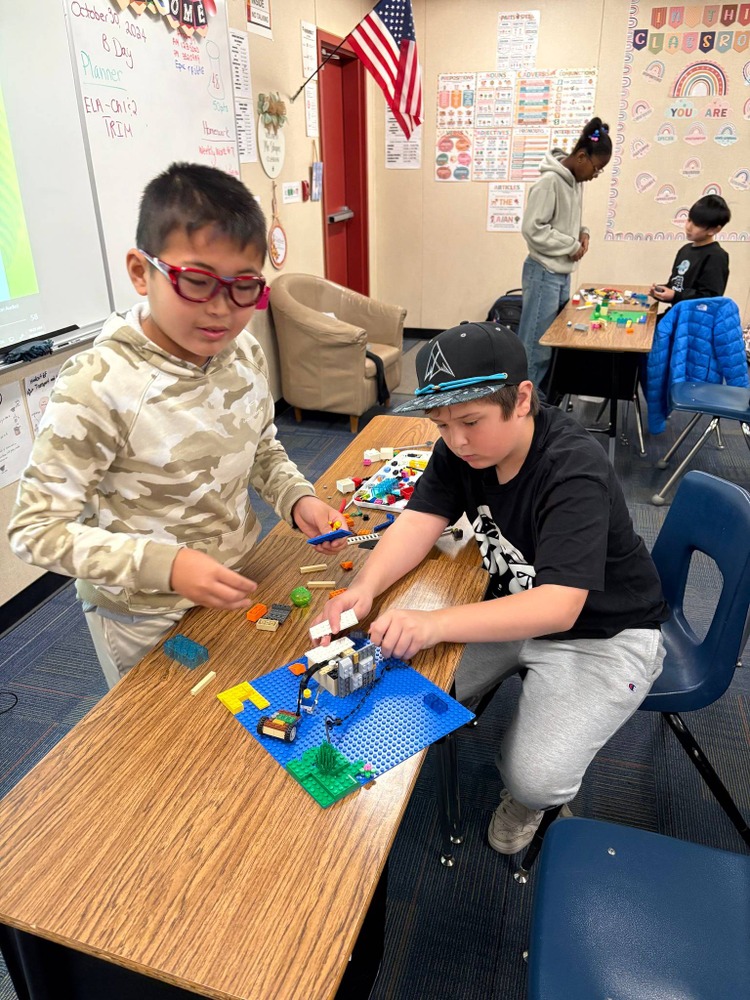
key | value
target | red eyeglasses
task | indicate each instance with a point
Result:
(196, 285)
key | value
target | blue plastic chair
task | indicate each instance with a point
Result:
(701, 398)
(631, 915)
(712, 516)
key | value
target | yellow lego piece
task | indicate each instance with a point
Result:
(267, 624)
(233, 698)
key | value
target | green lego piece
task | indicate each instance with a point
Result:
(329, 779)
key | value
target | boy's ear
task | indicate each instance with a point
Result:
(137, 268)
(523, 399)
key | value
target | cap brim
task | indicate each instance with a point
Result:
(433, 400)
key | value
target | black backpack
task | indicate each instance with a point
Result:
(507, 309)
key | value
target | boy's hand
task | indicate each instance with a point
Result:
(354, 597)
(402, 633)
(314, 517)
(662, 293)
(205, 582)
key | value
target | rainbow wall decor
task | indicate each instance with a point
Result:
(701, 79)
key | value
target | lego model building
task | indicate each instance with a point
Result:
(348, 671)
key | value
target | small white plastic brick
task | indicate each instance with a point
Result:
(373, 454)
(322, 653)
(345, 485)
(348, 618)
(386, 454)
(321, 629)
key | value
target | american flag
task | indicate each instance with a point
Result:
(386, 44)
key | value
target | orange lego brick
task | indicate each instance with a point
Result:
(334, 593)
(297, 669)
(256, 612)
(347, 565)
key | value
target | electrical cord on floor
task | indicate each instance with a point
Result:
(12, 705)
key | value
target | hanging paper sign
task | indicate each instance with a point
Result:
(277, 245)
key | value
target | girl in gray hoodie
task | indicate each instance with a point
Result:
(555, 238)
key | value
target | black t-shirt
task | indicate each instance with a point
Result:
(561, 520)
(699, 272)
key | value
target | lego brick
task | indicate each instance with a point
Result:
(280, 612)
(327, 784)
(347, 565)
(256, 612)
(203, 682)
(345, 485)
(321, 653)
(267, 624)
(348, 618)
(314, 568)
(190, 654)
(297, 668)
(335, 593)
(312, 584)
(234, 698)
(321, 629)
(329, 536)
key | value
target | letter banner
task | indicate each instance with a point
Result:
(658, 17)
(728, 14)
(640, 38)
(655, 42)
(724, 41)
(711, 14)
(693, 16)
(744, 14)
(690, 41)
(676, 16)
(707, 40)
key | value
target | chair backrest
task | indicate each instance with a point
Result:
(712, 516)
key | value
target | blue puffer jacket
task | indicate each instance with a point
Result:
(698, 340)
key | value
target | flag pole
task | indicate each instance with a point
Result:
(329, 56)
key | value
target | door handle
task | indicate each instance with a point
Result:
(340, 215)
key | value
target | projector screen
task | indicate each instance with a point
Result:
(52, 273)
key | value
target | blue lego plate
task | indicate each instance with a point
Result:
(402, 714)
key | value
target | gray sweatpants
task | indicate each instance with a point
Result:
(574, 697)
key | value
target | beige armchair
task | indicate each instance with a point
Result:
(322, 357)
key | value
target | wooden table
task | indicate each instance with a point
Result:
(160, 836)
(598, 362)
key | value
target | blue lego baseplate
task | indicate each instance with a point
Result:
(392, 724)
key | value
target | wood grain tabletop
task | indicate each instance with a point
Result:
(159, 835)
(610, 338)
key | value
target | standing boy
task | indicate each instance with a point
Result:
(573, 596)
(701, 267)
(138, 480)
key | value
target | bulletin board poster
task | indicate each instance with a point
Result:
(38, 391)
(491, 154)
(15, 434)
(455, 100)
(682, 131)
(528, 146)
(494, 100)
(453, 155)
(517, 39)
(505, 207)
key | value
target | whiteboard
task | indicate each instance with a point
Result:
(149, 95)
(45, 156)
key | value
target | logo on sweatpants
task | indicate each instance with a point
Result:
(632, 687)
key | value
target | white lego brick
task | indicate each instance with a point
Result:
(345, 485)
(386, 454)
(373, 454)
(321, 653)
(320, 630)
(348, 618)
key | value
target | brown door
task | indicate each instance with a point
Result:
(344, 154)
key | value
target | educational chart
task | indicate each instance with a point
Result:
(497, 126)
(153, 91)
(15, 434)
(683, 124)
(505, 203)
(517, 39)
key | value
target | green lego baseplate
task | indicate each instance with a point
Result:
(622, 314)
(326, 773)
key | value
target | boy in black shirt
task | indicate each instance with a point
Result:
(573, 595)
(701, 268)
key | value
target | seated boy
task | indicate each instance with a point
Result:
(138, 481)
(573, 596)
(701, 267)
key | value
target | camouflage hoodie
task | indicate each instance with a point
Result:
(140, 453)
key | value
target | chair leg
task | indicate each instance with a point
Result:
(298, 414)
(549, 817)
(602, 408)
(639, 421)
(663, 463)
(449, 800)
(354, 424)
(719, 439)
(659, 498)
(387, 402)
(714, 782)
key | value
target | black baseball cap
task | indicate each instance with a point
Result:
(464, 363)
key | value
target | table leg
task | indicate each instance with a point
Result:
(449, 803)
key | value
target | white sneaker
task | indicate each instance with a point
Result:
(513, 826)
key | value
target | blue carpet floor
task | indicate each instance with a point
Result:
(459, 933)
